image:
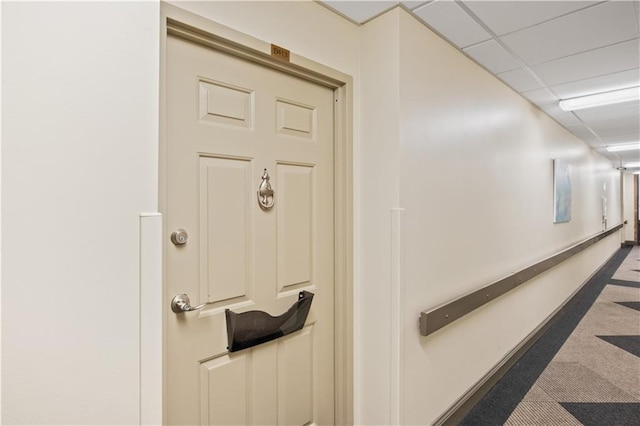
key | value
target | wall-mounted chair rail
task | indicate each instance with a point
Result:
(434, 319)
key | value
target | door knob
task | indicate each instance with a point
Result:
(181, 303)
(179, 237)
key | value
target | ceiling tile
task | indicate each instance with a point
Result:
(605, 83)
(493, 56)
(540, 97)
(621, 122)
(584, 133)
(507, 16)
(610, 59)
(360, 11)
(610, 113)
(610, 156)
(613, 123)
(629, 157)
(617, 133)
(632, 137)
(413, 4)
(587, 29)
(448, 19)
(562, 117)
(520, 80)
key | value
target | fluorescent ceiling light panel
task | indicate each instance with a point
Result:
(601, 99)
(624, 147)
(633, 165)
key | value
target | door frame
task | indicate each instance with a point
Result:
(178, 22)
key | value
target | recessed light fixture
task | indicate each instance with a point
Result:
(624, 147)
(601, 99)
(633, 165)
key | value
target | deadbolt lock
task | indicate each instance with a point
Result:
(179, 237)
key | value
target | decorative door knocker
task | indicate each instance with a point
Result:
(266, 195)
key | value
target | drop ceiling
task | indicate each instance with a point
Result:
(546, 51)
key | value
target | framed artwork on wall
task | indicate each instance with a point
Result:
(561, 191)
(604, 205)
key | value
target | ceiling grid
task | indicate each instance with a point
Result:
(547, 51)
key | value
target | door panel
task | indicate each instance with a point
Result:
(227, 120)
(294, 226)
(225, 405)
(296, 120)
(223, 104)
(225, 228)
(295, 381)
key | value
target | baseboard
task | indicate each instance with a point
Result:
(464, 404)
(629, 243)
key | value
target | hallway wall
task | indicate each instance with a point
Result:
(467, 163)
(79, 164)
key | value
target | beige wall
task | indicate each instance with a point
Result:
(471, 167)
(80, 163)
(378, 194)
(303, 27)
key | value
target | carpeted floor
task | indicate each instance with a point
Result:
(586, 368)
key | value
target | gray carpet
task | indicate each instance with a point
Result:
(586, 368)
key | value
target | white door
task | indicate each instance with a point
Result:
(228, 120)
